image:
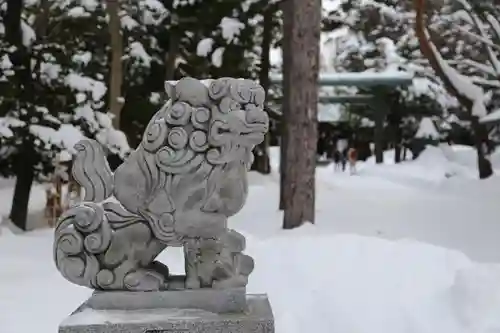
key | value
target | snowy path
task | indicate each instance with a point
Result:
(340, 275)
(370, 206)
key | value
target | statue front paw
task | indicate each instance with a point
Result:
(234, 272)
(193, 283)
(144, 280)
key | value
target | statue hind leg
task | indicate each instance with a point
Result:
(135, 254)
(90, 251)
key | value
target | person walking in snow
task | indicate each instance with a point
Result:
(352, 156)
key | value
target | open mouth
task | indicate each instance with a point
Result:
(255, 133)
(255, 128)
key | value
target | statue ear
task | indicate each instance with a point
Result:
(170, 89)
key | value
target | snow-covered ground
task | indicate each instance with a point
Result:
(400, 248)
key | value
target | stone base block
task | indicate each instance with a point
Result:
(257, 317)
(211, 300)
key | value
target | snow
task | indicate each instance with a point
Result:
(181, 3)
(114, 140)
(82, 57)
(276, 57)
(204, 47)
(29, 35)
(80, 83)
(69, 136)
(90, 5)
(5, 131)
(50, 71)
(463, 85)
(427, 129)
(105, 134)
(6, 123)
(78, 11)
(491, 117)
(330, 112)
(137, 51)
(389, 50)
(422, 86)
(128, 22)
(65, 137)
(494, 23)
(155, 5)
(217, 56)
(231, 28)
(5, 62)
(331, 5)
(155, 98)
(395, 248)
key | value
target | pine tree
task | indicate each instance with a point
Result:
(53, 98)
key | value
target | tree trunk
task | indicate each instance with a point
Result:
(378, 136)
(116, 80)
(397, 152)
(173, 51)
(480, 140)
(285, 107)
(261, 162)
(302, 130)
(12, 22)
(22, 79)
(397, 134)
(24, 180)
(42, 18)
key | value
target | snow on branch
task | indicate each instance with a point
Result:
(427, 130)
(479, 38)
(231, 28)
(492, 117)
(480, 27)
(495, 25)
(462, 84)
(462, 87)
(484, 68)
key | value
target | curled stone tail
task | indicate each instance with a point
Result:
(92, 172)
(82, 233)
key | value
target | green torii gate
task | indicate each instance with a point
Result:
(361, 80)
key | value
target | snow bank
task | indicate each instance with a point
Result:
(354, 284)
(475, 295)
(433, 166)
(316, 282)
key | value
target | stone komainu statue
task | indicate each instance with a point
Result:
(178, 188)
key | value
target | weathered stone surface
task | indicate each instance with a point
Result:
(208, 299)
(257, 318)
(178, 188)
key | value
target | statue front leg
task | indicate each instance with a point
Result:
(201, 258)
(191, 254)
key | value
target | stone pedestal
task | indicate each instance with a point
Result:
(186, 311)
